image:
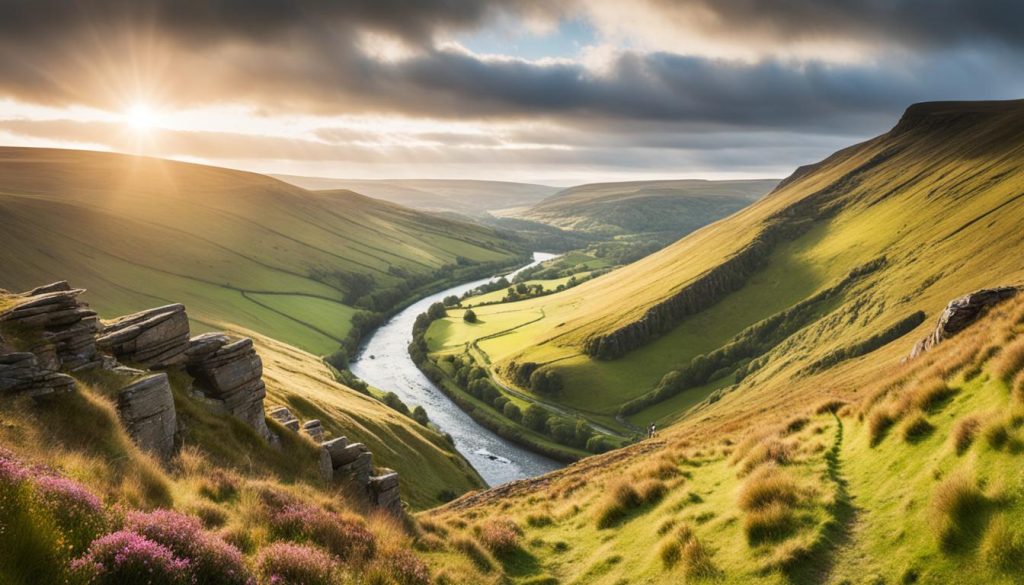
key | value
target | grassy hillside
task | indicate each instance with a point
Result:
(673, 207)
(232, 246)
(467, 197)
(837, 262)
(917, 479)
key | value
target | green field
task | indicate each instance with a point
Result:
(232, 246)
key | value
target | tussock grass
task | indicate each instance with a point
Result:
(930, 393)
(770, 450)
(500, 536)
(964, 432)
(830, 406)
(1002, 547)
(916, 428)
(880, 420)
(956, 504)
(1010, 360)
(795, 425)
(769, 498)
(623, 498)
(772, 522)
(480, 558)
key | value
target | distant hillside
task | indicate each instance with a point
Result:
(461, 196)
(674, 208)
(797, 442)
(235, 247)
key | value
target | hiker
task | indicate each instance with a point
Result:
(651, 428)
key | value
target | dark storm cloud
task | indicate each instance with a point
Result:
(306, 56)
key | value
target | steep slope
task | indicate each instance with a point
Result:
(916, 480)
(233, 246)
(842, 258)
(467, 197)
(674, 208)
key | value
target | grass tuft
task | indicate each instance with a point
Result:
(1010, 360)
(916, 428)
(964, 432)
(956, 503)
(880, 420)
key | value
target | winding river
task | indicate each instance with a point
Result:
(384, 362)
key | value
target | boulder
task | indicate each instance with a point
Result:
(50, 322)
(232, 373)
(156, 339)
(146, 407)
(384, 492)
(284, 416)
(314, 429)
(961, 313)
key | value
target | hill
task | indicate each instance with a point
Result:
(301, 267)
(467, 197)
(672, 208)
(840, 259)
(800, 443)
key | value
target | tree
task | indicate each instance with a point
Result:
(419, 414)
(512, 412)
(535, 417)
(469, 316)
(437, 311)
(450, 301)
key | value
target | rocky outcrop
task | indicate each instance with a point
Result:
(961, 313)
(314, 429)
(146, 407)
(51, 323)
(384, 491)
(156, 338)
(284, 416)
(229, 370)
(20, 373)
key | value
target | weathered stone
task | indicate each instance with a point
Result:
(346, 454)
(55, 326)
(232, 373)
(314, 429)
(357, 471)
(326, 468)
(21, 373)
(157, 338)
(335, 447)
(961, 313)
(146, 407)
(384, 492)
(284, 416)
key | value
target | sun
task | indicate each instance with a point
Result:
(141, 117)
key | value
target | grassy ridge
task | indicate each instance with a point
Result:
(938, 198)
(232, 246)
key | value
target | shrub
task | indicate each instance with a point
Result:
(127, 557)
(345, 536)
(419, 414)
(475, 552)
(954, 502)
(469, 316)
(1010, 360)
(398, 567)
(536, 417)
(296, 563)
(212, 561)
(600, 444)
(77, 512)
(512, 412)
(392, 400)
(500, 536)
(964, 432)
(916, 428)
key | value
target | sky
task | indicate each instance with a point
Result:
(549, 91)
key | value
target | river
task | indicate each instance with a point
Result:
(384, 362)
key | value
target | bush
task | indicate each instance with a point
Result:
(398, 567)
(419, 414)
(211, 560)
(601, 444)
(127, 557)
(955, 502)
(512, 412)
(469, 316)
(296, 563)
(77, 512)
(500, 402)
(536, 417)
(392, 400)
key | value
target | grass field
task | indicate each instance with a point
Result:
(230, 245)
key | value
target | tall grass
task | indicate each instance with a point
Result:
(956, 503)
(769, 499)
(1010, 360)
(624, 497)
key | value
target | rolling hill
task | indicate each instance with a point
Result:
(466, 197)
(804, 445)
(672, 208)
(237, 247)
(851, 247)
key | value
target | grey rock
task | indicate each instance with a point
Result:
(156, 338)
(284, 416)
(960, 313)
(314, 429)
(232, 373)
(146, 407)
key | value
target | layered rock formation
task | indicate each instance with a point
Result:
(51, 323)
(229, 371)
(146, 406)
(315, 429)
(156, 338)
(960, 313)
(353, 463)
(20, 372)
(284, 416)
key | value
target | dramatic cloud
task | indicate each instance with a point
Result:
(709, 71)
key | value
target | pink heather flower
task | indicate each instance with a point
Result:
(346, 537)
(68, 494)
(127, 557)
(212, 561)
(11, 471)
(296, 564)
(406, 568)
